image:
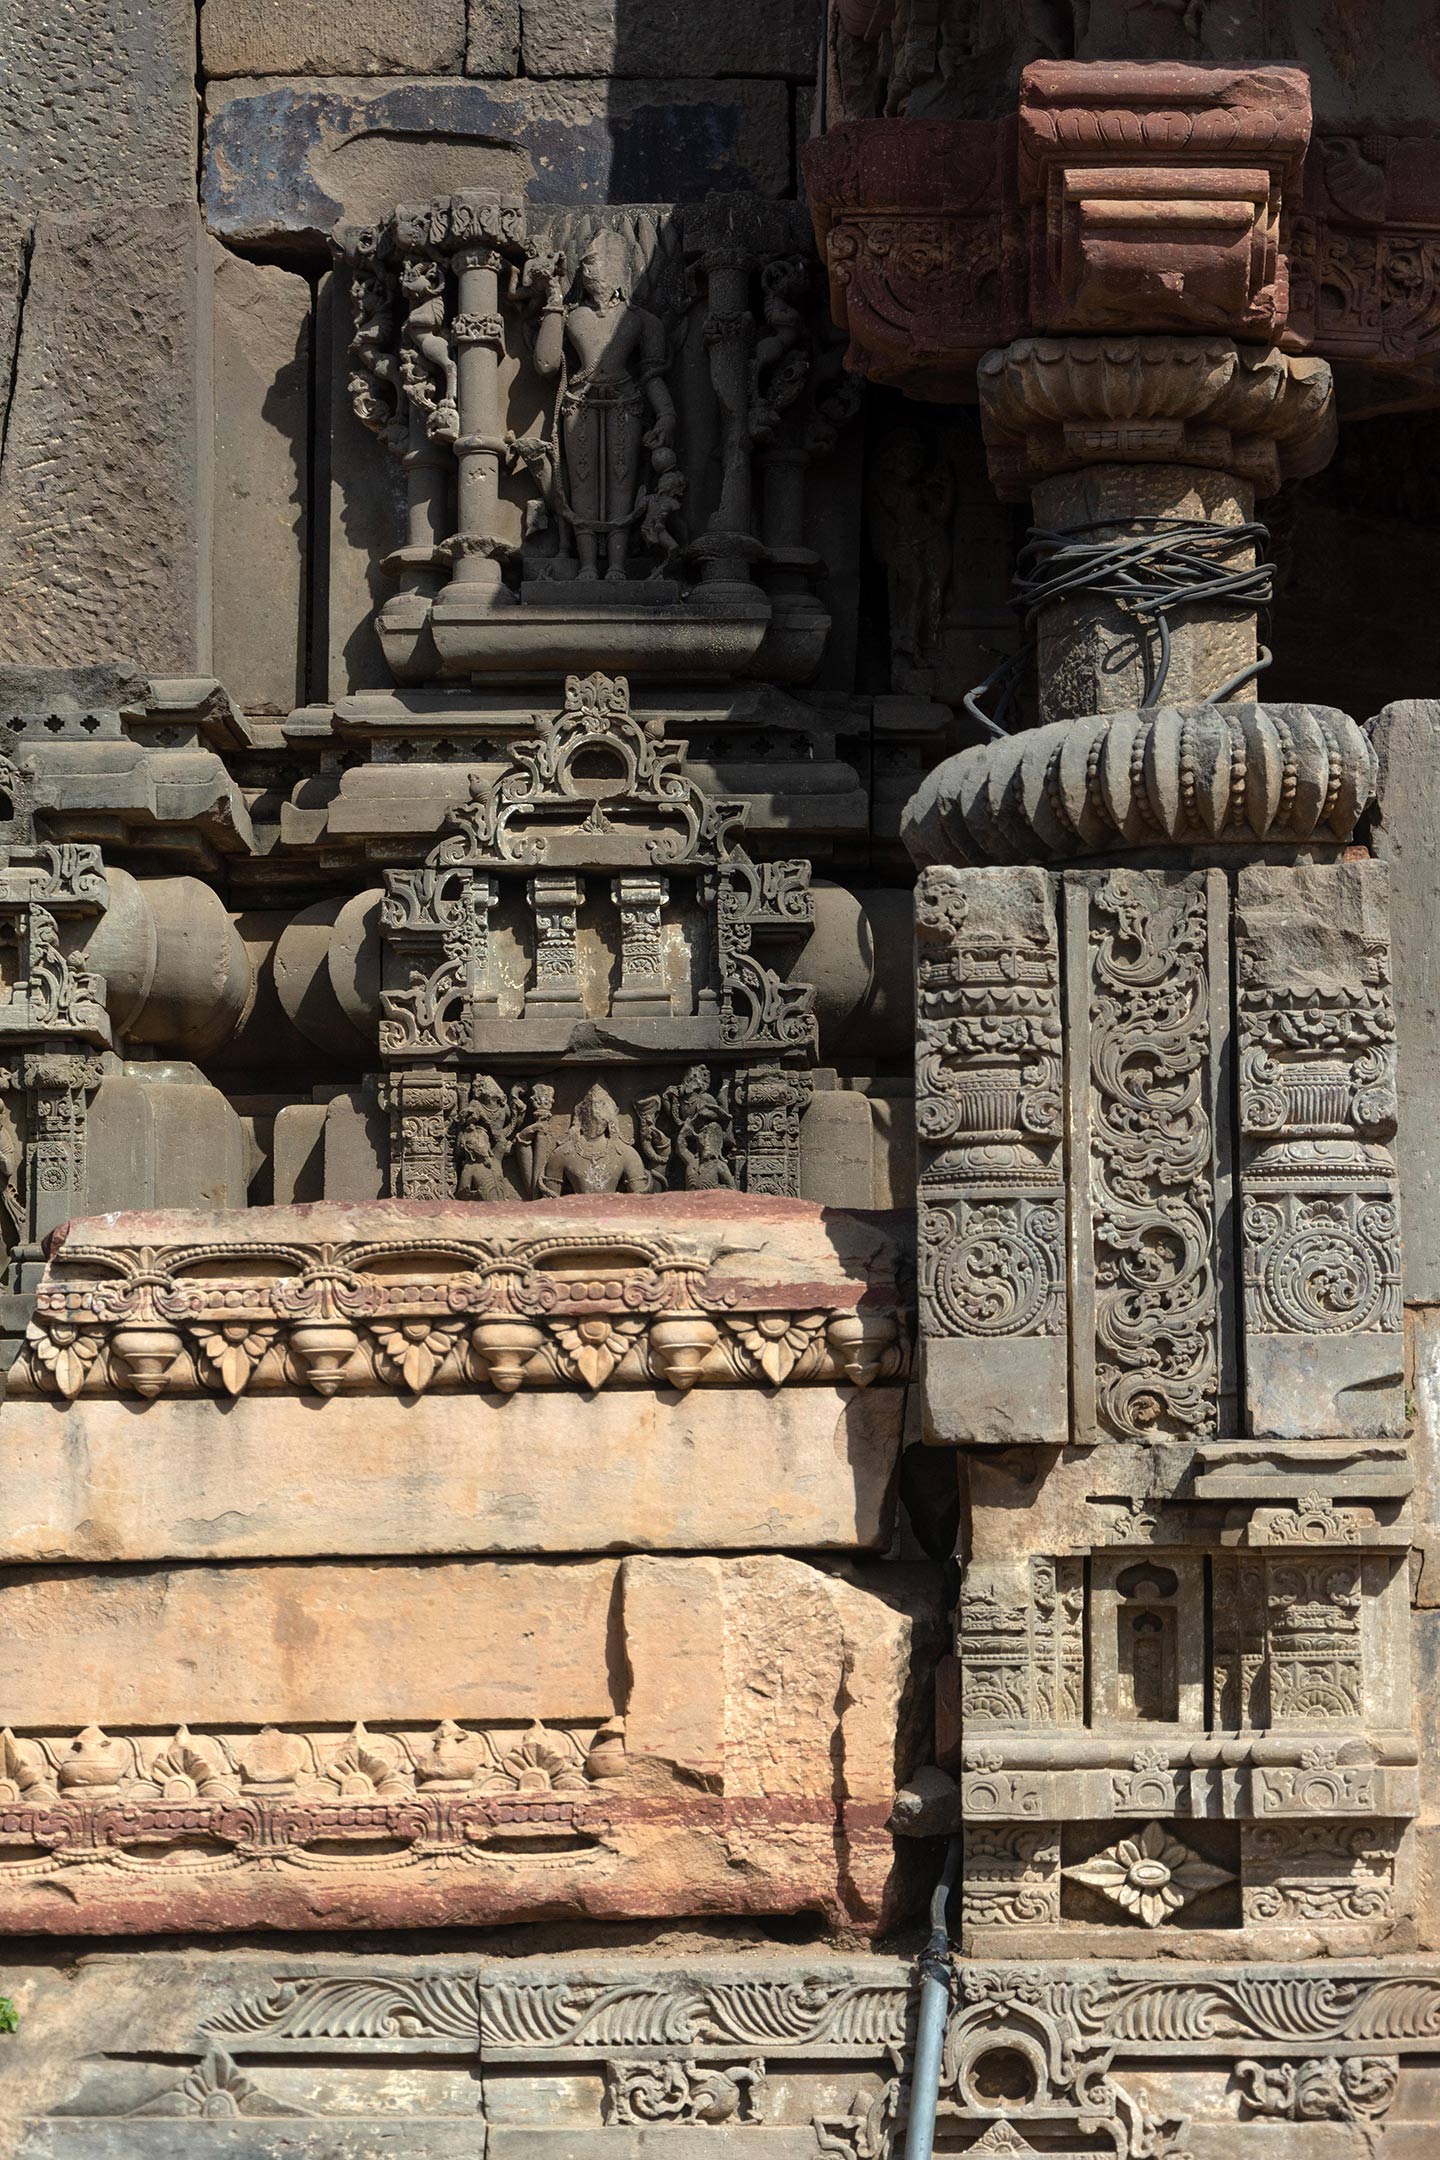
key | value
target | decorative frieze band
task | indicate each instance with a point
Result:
(406, 1314)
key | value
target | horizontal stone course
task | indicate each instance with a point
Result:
(542, 1471)
(288, 158)
(332, 37)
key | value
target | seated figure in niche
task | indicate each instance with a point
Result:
(591, 1156)
(610, 355)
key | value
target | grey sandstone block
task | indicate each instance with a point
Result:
(99, 107)
(262, 422)
(660, 37)
(332, 37)
(286, 161)
(104, 546)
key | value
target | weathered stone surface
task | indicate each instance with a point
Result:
(758, 1776)
(285, 1644)
(619, 38)
(492, 40)
(96, 1482)
(331, 37)
(1407, 836)
(100, 107)
(286, 161)
(104, 532)
(262, 432)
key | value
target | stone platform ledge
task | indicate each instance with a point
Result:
(656, 1291)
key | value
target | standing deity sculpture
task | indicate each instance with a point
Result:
(610, 355)
(912, 504)
(485, 1132)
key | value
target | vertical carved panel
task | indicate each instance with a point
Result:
(1319, 1207)
(422, 1113)
(991, 1197)
(1240, 1698)
(1314, 1639)
(1022, 1642)
(1147, 977)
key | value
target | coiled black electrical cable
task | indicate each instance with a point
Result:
(1170, 565)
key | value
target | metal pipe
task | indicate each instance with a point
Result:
(934, 1968)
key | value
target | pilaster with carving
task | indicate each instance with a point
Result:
(991, 1193)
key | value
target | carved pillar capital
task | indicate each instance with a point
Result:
(1156, 193)
(1052, 405)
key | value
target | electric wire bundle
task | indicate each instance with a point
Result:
(1173, 564)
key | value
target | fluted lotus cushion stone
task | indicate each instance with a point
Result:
(1187, 775)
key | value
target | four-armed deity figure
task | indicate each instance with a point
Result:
(610, 354)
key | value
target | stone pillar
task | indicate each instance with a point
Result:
(479, 336)
(642, 953)
(555, 899)
(1144, 439)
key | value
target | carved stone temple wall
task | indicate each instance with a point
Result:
(719, 1137)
